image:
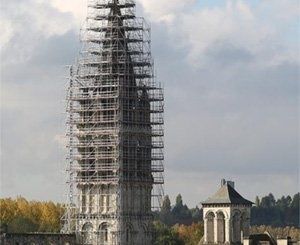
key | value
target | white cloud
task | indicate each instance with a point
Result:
(238, 24)
(164, 10)
(27, 24)
(7, 31)
(158, 10)
(61, 140)
(77, 7)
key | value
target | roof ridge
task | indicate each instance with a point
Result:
(227, 195)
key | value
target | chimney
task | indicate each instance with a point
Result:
(224, 182)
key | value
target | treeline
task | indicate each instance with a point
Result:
(281, 212)
(179, 213)
(178, 234)
(177, 224)
(21, 216)
(192, 234)
(267, 211)
(175, 221)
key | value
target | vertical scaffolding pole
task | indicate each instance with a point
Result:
(115, 121)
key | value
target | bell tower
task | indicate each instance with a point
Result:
(226, 216)
(115, 130)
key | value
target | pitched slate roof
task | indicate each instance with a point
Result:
(227, 195)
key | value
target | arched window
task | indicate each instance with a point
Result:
(236, 227)
(220, 227)
(103, 234)
(129, 235)
(245, 224)
(210, 227)
(87, 234)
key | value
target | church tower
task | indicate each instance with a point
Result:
(226, 216)
(115, 130)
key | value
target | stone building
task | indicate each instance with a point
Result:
(226, 216)
(267, 239)
(115, 130)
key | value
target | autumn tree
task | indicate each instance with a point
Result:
(166, 235)
(190, 234)
(20, 215)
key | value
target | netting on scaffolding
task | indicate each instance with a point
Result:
(115, 123)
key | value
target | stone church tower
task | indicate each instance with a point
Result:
(226, 216)
(115, 130)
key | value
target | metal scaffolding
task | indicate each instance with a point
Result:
(115, 130)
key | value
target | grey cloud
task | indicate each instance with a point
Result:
(224, 53)
(57, 50)
(232, 117)
(33, 90)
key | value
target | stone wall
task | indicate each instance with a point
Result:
(37, 239)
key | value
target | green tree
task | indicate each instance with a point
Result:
(22, 224)
(181, 213)
(165, 235)
(166, 206)
(257, 201)
(295, 202)
(179, 202)
(281, 212)
(196, 214)
(165, 214)
(268, 201)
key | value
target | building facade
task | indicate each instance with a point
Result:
(115, 130)
(226, 216)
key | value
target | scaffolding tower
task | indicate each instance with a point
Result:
(115, 130)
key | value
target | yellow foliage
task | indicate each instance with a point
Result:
(192, 234)
(21, 215)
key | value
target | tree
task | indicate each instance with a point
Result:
(179, 202)
(272, 200)
(20, 215)
(281, 212)
(7, 210)
(197, 214)
(22, 224)
(191, 234)
(181, 213)
(165, 215)
(268, 201)
(257, 201)
(165, 235)
(295, 202)
(166, 206)
(289, 200)
(293, 213)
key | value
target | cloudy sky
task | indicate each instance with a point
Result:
(230, 69)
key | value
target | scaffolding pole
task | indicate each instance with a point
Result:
(115, 130)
